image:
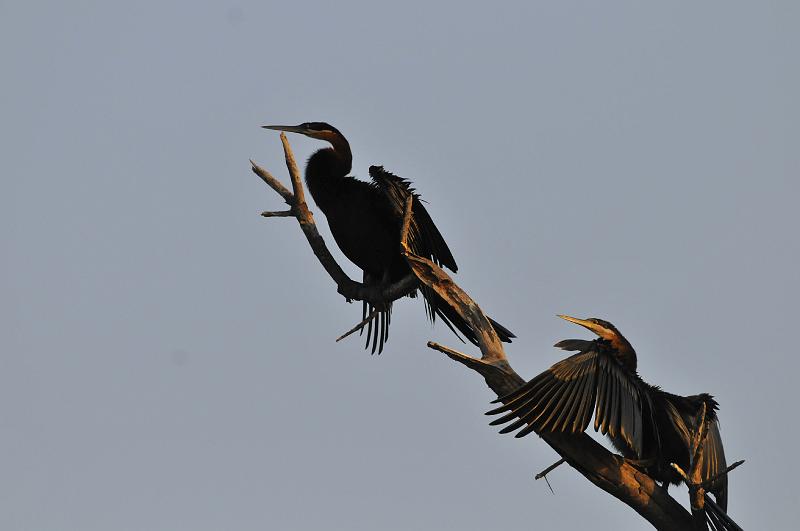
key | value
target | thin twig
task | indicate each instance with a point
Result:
(272, 182)
(549, 486)
(406, 224)
(707, 483)
(278, 214)
(543, 473)
(360, 325)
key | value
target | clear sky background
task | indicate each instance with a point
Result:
(168, 358)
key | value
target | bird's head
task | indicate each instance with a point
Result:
(606, 331)
(600, 327)
(318, 130)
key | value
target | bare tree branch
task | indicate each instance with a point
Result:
(477, 364)
(604, 469)
(294, 174)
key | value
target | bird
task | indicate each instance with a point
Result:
(365, 219)
(650, 427)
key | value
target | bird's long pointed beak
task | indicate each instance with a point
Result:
(287, 128)
(594, 327)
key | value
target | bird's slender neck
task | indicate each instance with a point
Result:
(326, 168)
(623, 351)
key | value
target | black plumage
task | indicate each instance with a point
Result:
(645, 424)
(365, 219)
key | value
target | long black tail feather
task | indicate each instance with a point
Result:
(377, 328)
(437, 307)
(503, 333)
(717, 518)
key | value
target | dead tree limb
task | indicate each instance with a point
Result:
(603, 468)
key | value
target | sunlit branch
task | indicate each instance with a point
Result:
(604, 469)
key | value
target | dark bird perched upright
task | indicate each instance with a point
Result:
(648, 426)
(366, 219)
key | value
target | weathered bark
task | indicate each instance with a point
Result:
(603, 468)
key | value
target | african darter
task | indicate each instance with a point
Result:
(648, 426)
(365, 220)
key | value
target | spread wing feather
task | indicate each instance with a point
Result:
(563, 398)
(588, 394)
(603, 400)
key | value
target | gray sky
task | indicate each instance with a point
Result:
(167, 355)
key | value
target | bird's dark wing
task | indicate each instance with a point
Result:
(714, 463)
(682, 411)
(580, 345)
(563, 398)
(424, 238)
